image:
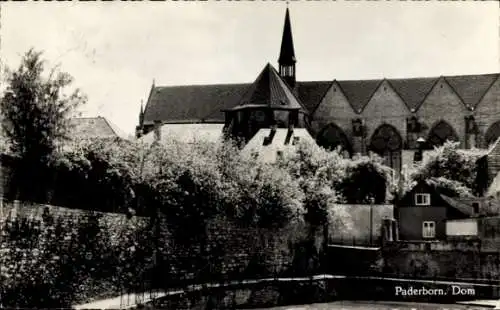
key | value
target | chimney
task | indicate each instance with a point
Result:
(157, 130)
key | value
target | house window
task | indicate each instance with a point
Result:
(429, 229)
(422, 199)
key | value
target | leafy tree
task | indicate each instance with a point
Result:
(366, 181)
(35, 115)
(451, 169)
(36, 109)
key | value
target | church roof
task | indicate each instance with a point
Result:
(281, 141)
(359, 92)
(198, 103)
(413, 91)
(287, 52)
(192, 103)
(269, 90)
(311, 93)
(471, 88)
(95, 127)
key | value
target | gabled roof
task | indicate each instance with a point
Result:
(461, 206)
(471, 88)
(413, 91)
(95, 127)
(271, 91)
(192, 102)
(359, 92)
(198, 103)
(311, 93)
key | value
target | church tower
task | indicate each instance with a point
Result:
(287, 59)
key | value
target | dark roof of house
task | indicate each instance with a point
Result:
(461, 206)
(198, 103)
(271, 91)
(94, 127)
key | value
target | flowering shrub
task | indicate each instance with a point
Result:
(366, 181)
(450, 169)
(184, 188)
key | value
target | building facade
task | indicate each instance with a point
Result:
(423, 212)
(385, 116)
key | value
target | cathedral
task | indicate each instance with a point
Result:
(395, 118)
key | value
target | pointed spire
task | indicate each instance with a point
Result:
(287, 53)
(141, 114)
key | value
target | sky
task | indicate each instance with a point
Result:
(115, 50)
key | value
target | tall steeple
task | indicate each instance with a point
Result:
(287, 59)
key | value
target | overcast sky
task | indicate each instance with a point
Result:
(114, 50)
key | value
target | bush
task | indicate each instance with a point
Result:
(366, 181)
(452, 170)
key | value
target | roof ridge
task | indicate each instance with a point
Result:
(487, 90)
(346, 97)
(149, 97)
(372, 94)
(323, 96)
(456, 92)
(201, 85)
(114, 128)
(436, 80)
(399, 95)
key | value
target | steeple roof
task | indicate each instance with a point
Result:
(287, 53)
(269, 90)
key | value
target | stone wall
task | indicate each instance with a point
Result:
(451, 259)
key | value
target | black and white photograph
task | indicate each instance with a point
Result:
(282, 155)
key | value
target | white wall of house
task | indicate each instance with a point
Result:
(465, 227)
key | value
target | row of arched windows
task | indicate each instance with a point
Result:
(388, 143)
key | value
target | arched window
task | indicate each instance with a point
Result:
(492, 134)
(387, 142)
(440, 133)
(332, 137)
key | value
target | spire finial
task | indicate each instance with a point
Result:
(287, 53)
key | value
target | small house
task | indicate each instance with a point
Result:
(422, 213)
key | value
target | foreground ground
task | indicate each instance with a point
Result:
(358, 305)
